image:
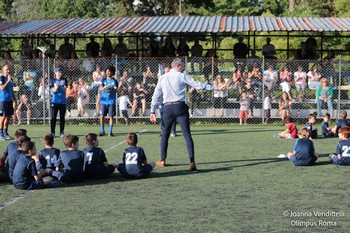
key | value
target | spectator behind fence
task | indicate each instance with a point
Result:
(253, 60)
(311, 48)
(139, 98)
(26, 49)
(240, 49)
(88, 64)
(183, 49)
(250, 90)
(71, 95)
(66, 49)
(93, 47)
(83, 97)
(220, 95)
(255, 76)
(97, 77)
(125, 84)
(238, 78)
(268, 49)
(121, 49)
(286, 80)
(8, 60)
(107, 48)
(313, 77)
(285, 106)
(270, 77)
(211, 64)
(301, 52)
(153, 48)
(324, 94)
(26, 95)
(168, 50)
(196, 54)
(300, 82)
(328, 68)
(51, 52)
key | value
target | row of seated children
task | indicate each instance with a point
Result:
(304, 154)
(27, 170)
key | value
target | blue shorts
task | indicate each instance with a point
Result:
(6, 108)
(301, 163)
(145, 172)
(107, 109)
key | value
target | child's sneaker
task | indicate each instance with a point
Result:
(2, 138)
(8, 137)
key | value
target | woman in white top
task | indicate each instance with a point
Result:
(97, 77)
(313, 77)
(220, 97)
(300, 82)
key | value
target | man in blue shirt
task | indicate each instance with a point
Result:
(172, 86)
(7, 98)
(58, 100)
(108, 89)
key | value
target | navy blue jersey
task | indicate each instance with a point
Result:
(24, 172)
(12, 146)
(60, 96)
(308, 125)
(6, 94)
(94, 159)
(72, 162)
(342, 122)
(305, 151)
(12, 153)
(109, 96)
(343, 148)
(48, 157)
(133, 157)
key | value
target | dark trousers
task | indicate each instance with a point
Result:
(54, 111)
(176, 112)
(173, 126)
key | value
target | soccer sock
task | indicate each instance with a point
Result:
(110, 128)
(1, 133)
(102, 128)
(5, 131)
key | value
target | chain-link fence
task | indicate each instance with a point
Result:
(254, 87)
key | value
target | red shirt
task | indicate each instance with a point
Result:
(292, 130)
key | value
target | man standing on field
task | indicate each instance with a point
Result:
(7, 98)
(172, 86)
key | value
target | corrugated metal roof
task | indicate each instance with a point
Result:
(166, 24)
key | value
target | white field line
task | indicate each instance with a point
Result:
(122, 142)
(15, 199)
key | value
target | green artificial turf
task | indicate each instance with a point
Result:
(240, 186)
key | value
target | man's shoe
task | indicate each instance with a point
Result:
(161, 163)
(62, 135)
(101, 134)
(111, 134)
(192, 166)
(173, 134)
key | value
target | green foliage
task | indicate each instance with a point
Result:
(342, 8)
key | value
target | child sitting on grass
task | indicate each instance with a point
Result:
(304, 151)
(291, 131)
(25, 175)
(96, 165)
(134, 160)
(308, 125)
(340, 122)
(326, 130)
(48, 157)
(10, 151)
(69, 167)
(343, 155)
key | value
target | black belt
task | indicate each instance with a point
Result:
(176, 102)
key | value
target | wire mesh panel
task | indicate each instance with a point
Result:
(261, 90)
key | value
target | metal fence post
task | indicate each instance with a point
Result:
(339, 85)
(44, 99)
(263, 91)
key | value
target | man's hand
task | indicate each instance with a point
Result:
(153, 118)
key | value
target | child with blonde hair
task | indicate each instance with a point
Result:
(303, 153)
(343, 155)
